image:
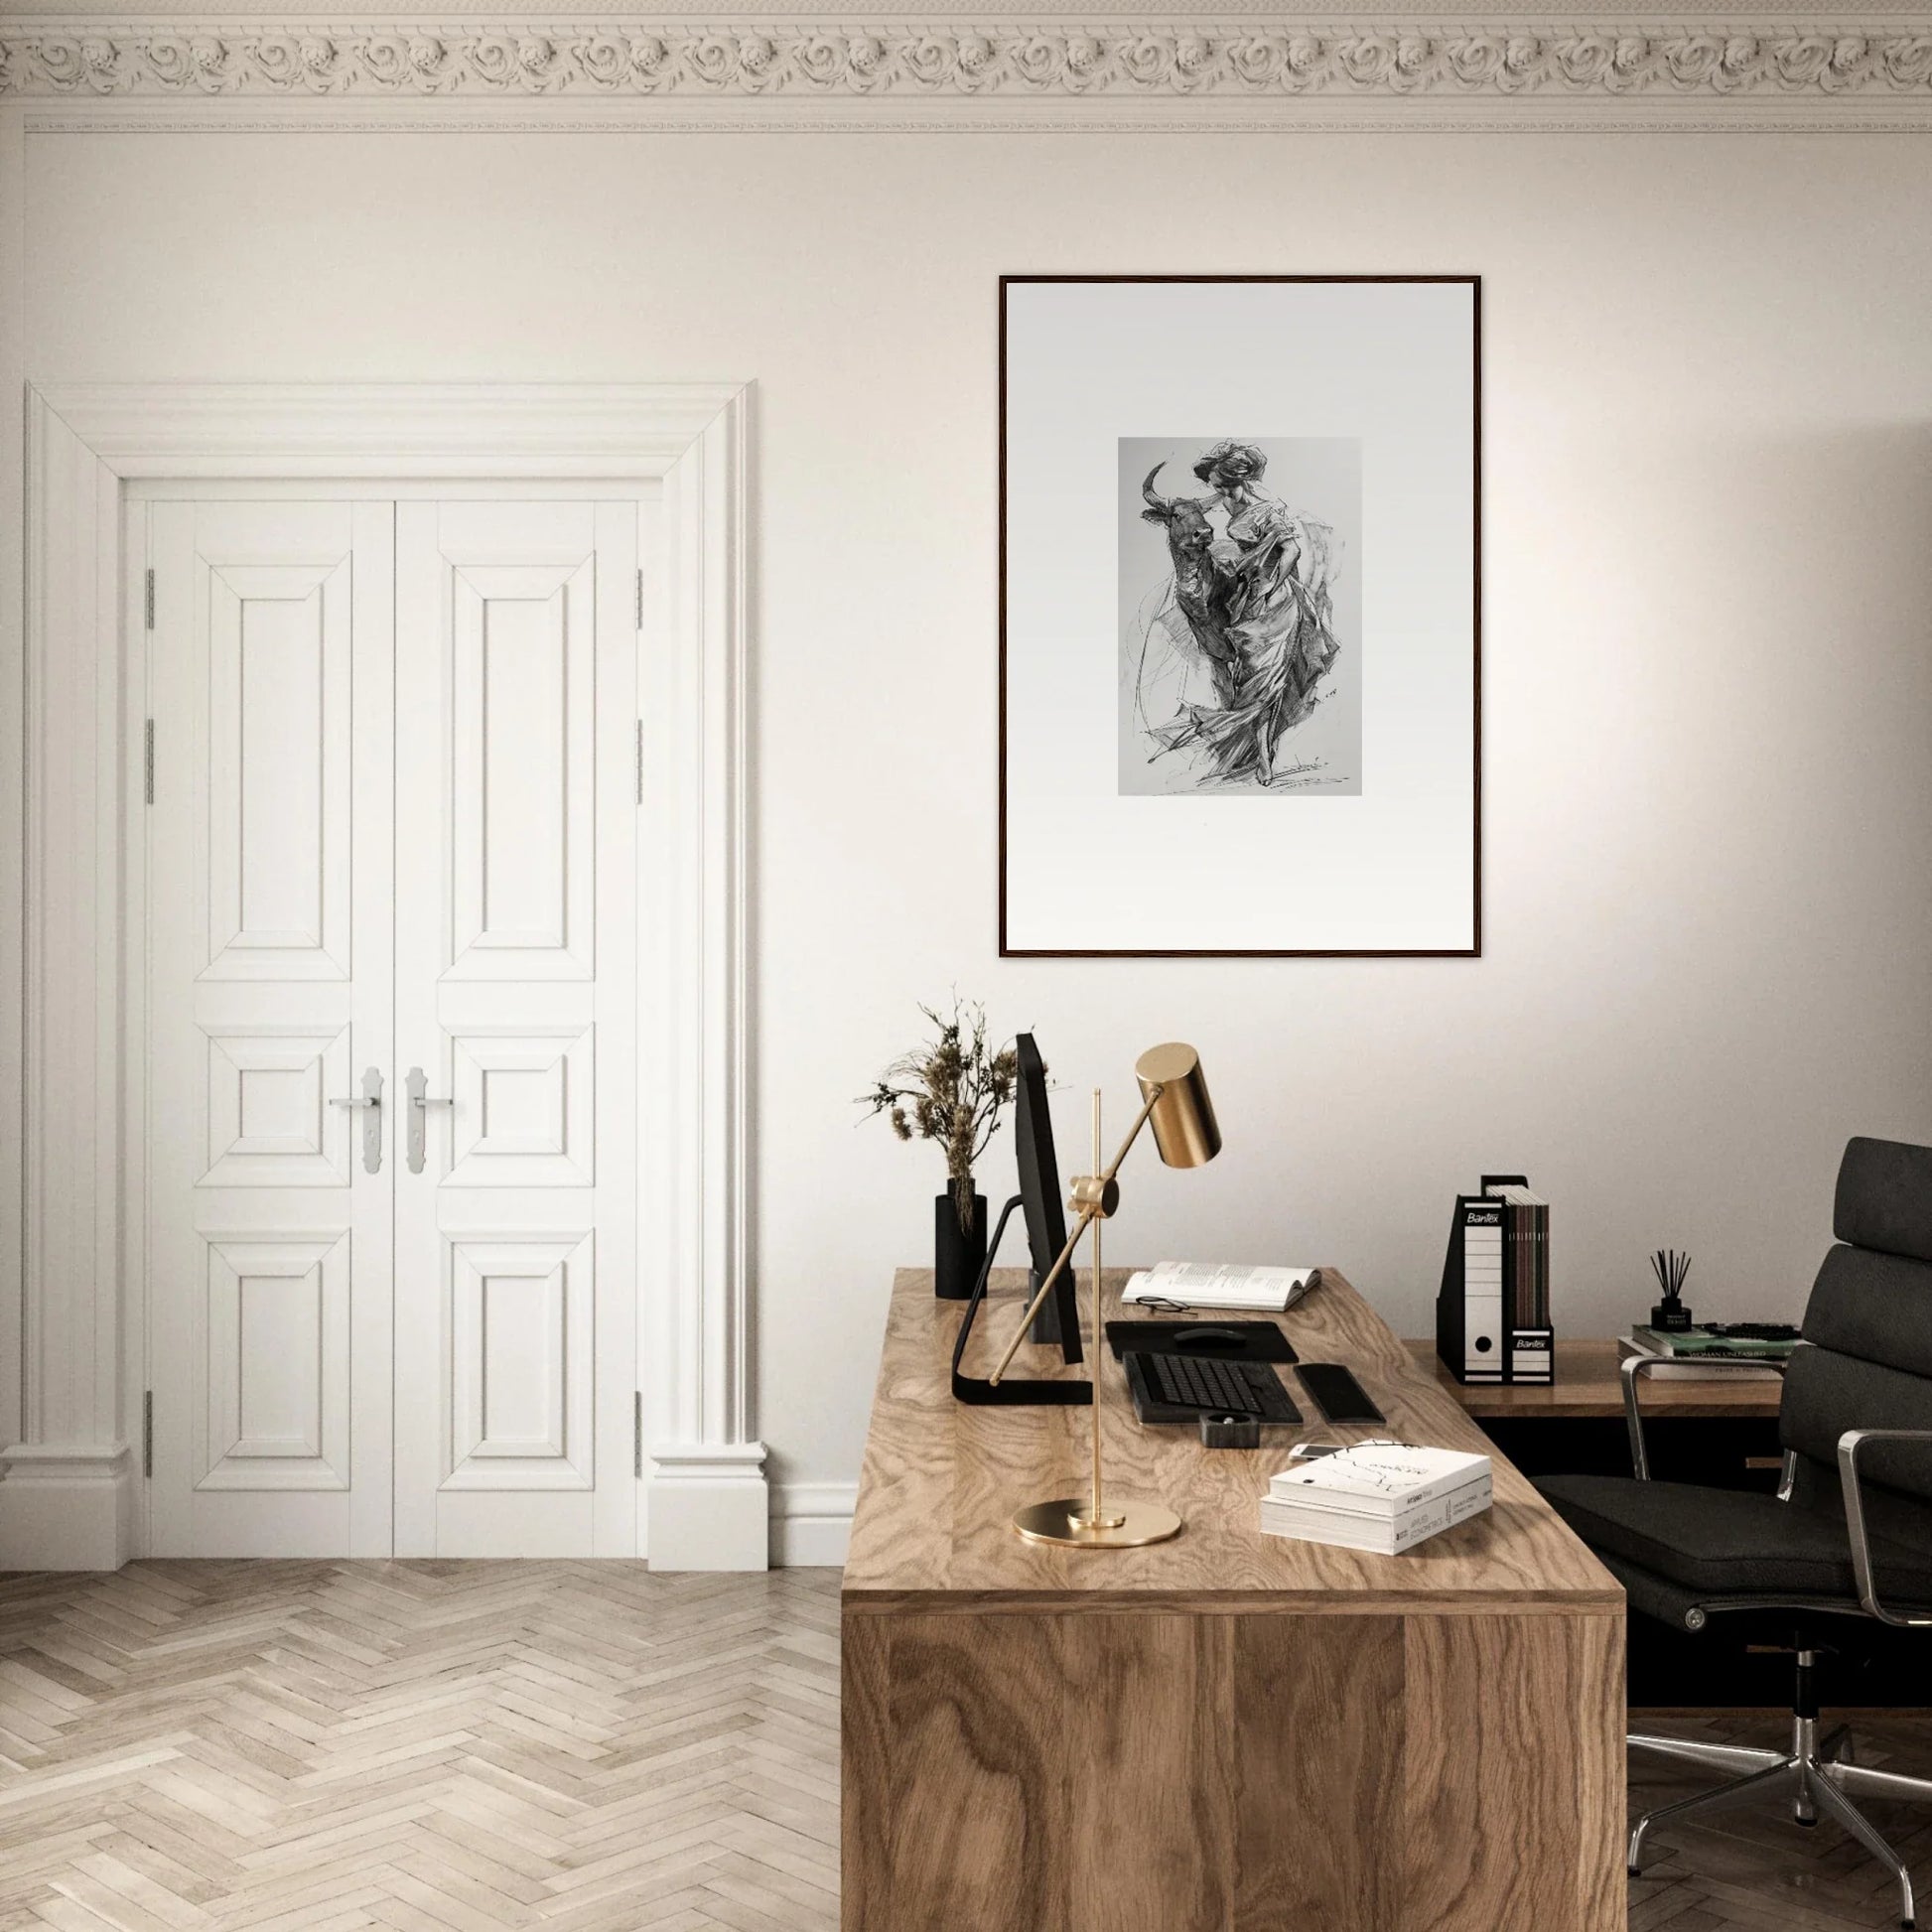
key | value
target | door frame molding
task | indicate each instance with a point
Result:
(71, 1422)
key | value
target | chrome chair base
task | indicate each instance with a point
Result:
(1818, 1775)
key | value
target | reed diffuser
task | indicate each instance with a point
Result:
(1670, 1315)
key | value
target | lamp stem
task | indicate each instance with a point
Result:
(1133, 1133)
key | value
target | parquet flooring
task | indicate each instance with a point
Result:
(428, 1746)
(460, 1747)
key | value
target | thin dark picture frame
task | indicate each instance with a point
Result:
(1472, 951)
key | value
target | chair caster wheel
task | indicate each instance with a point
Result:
(1633, 1872)
(1806, 1822)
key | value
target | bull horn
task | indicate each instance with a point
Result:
(1146, 488)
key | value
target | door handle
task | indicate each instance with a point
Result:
(369, 1099)
(419, 1102)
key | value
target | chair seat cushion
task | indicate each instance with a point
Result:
(1729, 1542)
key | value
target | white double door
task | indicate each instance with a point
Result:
(390, 1104)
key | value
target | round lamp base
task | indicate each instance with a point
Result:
(1064, 1521)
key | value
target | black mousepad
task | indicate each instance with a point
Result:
(1220, 1341)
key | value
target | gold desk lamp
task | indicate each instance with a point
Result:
(1174, 1100)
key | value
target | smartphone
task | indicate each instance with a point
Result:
(1338, 1394)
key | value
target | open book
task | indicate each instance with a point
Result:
(1211, 1284)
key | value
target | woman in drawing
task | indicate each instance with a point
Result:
(1248, 621)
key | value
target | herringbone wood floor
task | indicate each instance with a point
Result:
(457, 1747)
(431, 1747)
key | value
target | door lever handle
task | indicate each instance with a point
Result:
(419, 1102)
(370, 1099)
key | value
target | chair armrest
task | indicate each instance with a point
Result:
(1634, 1367)
(1849, 1445)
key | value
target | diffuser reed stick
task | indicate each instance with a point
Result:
(1669, 1266)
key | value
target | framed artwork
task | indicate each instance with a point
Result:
(1240, 615)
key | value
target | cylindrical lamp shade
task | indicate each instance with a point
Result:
(1185, 1128)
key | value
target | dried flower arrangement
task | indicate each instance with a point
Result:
(951, 1091)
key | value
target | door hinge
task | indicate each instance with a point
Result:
(640, 598)
(146, 1434)
(148, 763)
(637, 1433)
(640, 760)
(150, 600)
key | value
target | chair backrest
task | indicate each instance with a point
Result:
(1868, 1324)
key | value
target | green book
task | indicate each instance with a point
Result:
(1700, 1341)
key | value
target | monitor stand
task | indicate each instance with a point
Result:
(1011, 1391)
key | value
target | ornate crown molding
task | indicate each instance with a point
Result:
(1172, 62)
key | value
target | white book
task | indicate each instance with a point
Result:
(1355, 1529)
(1377, 1479)
(1215, 1285)
(1420, 1519)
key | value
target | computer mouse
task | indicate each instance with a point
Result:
(1210, 1338)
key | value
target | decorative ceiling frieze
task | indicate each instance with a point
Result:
(1256, 64)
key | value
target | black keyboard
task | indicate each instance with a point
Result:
(1204, 1386)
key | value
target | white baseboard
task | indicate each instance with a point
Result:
(66, 1506)
(709, 1507)
(74, 1509)
(811, 1524)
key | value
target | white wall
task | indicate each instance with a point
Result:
(1707, 656)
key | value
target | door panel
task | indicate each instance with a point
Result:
(269, 1119)
(522, 1324)
(279, 768)
(277, 1413)
(521, 810)
(270, 671)
(524, 1108)
(515, 1243)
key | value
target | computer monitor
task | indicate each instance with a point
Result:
(1040, 1193)
(1039, 1199)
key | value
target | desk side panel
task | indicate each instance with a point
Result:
(1151, 1792)
(957, 1813)
(1319, 1736)
(1147, 1772)
(865, 1766)
(1513, 1774)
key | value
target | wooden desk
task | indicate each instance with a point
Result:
(1228, 1732)
(1587, 1386)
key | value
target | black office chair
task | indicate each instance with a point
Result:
(1849, 1536)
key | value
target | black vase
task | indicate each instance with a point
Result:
(958, 1254)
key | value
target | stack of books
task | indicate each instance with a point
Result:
(1381, 1497)
(1684, 1353)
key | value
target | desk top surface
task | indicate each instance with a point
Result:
(1588, 1384)
(941, 1479)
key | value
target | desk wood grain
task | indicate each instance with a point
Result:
(941, 1480)
(1228, 1732)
